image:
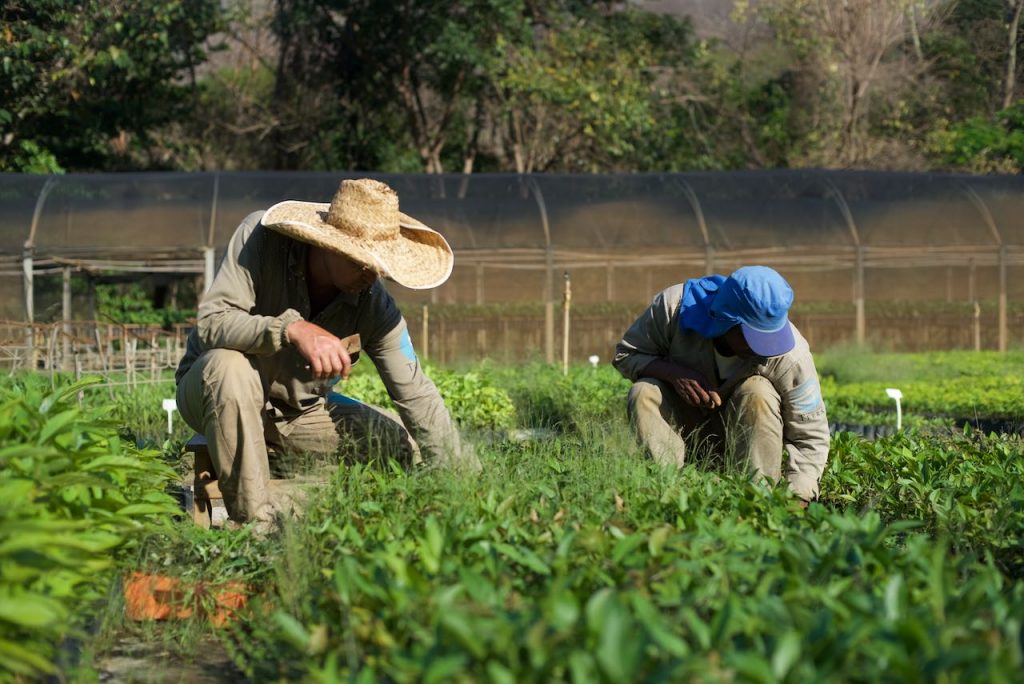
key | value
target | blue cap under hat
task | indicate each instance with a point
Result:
(754, 297)
(757, 298)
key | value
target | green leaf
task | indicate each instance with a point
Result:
(149, 509)
(31, 610)
(618, 649)
(432, 545)
(787, 652)
(698, 628)
(56, 424)
(499, 674)
(751, 667)
(19, 659)
(444, 669)
(458, 625)
(293, 631)
(656, 540)
(524, 557)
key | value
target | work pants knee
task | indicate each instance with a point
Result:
(222, 397)
(753, 426)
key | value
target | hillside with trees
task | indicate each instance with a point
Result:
(509, 85)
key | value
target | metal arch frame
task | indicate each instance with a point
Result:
(29, 248)
(36, 260)
(987, 217)
(549, 271)
(698, 213)
(858, 283)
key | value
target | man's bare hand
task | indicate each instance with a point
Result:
(326, 353)
(690, 385)
(696, 392)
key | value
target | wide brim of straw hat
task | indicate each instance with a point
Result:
(419, 258)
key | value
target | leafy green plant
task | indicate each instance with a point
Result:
(75, 495)
(132, 304)
(575, 558)
(472, 400)
(570, 562)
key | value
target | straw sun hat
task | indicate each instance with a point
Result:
(363, 223)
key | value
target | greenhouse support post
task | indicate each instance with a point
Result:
(977, 326)
(30, 342)
(29, 285)
(997, 237)
(859, 297)
(481, 332)
(549, 277)
(66, 318)
(479, 284)
(567, 302)
(1003, 336)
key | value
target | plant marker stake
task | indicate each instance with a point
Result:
(170, 405)
(894, 393)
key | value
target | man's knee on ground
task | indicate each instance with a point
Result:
(756, 399)
(646, 395)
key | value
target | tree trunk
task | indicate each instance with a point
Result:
(517, 142)
(914, 34)
(1011, 56)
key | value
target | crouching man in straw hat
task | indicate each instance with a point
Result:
(716, 359)
(294, 282)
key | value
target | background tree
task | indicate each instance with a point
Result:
(507, 85)
(573, 102)
(850, 52)
(84, 83)
(1014, 8)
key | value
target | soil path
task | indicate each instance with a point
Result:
(131, 660)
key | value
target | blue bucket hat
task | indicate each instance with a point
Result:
(754, 297)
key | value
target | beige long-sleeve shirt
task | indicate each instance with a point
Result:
(656, 335)
(260, 288)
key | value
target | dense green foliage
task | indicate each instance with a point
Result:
(510, 85)
(473, 401)
(132, 304)
(578, 560)
(85, 84)
(960, 386)
(571, 557)
(74, 496)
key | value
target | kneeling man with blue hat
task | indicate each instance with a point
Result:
(717, 368)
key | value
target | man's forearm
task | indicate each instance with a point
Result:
(660, 369)
(249, 334)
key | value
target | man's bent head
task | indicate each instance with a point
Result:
(757, 299)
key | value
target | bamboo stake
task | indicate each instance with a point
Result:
(125, 352)
(566, 303)
(977, 327)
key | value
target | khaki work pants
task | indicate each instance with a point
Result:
(745, 431)
(223, 397)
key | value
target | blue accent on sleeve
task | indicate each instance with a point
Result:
(406, 346)
(806, 396)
